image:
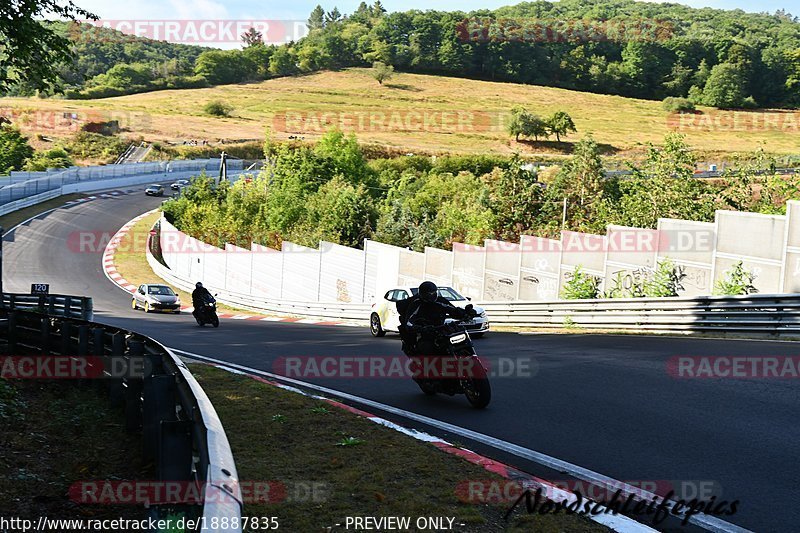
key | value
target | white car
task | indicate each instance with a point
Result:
(384, 316)
(154, 297)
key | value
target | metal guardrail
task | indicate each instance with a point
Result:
(181, 431)
(767, 314)
(50, 304)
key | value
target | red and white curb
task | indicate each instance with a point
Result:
(109, 267)
(110, 270)
(616, 522)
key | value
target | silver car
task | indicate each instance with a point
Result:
(151, 297)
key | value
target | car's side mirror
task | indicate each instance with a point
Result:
(469, 298)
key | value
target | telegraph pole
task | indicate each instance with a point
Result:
(223, 167)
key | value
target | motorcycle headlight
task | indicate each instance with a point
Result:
(455, 339)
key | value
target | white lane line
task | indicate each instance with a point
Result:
(706, 522)
(29, 219)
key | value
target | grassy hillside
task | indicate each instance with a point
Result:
(619, 124)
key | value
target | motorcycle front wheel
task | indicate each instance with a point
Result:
(477, 389)
(215, 321)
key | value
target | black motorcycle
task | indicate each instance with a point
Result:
(455, 368)
(207, 313)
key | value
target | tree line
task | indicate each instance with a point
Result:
(331, 192)
(707, 56)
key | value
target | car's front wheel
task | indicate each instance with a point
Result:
(147, 307)
(375, 326)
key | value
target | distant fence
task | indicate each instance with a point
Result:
(21, 189)
(181, 432)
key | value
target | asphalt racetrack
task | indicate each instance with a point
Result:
(604, 402)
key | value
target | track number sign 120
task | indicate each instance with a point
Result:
(40, 288)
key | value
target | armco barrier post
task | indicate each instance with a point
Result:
(83, 340)
(158, 405)
(83, 346)
(98, 342)
(66, 338)
(115, 389)
(133, 390)
(12, 334)
(99, 350)
(174, 441)
(44, 334)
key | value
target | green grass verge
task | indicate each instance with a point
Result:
(56, 433)
(366, 469)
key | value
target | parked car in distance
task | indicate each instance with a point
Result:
(156, 297)
(154, 190)
(179, 184)
(384, 317)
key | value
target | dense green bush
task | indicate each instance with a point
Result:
(52, 158)
(217, 108)
(737, 281)
(581, 286)
(94, 146)
(673, 104)
(14, 149)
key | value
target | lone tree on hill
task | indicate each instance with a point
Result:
(381, 71)
(560, 123)
(525, 123)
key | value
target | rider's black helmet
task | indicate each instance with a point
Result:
(198, 285)
(428, 291)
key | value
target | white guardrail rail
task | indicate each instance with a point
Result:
(762, 314)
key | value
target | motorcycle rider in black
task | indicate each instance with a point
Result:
(199, 296)
(426, 308)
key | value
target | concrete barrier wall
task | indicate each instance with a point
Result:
(756, 240)
(539, 267)
(535, 269)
